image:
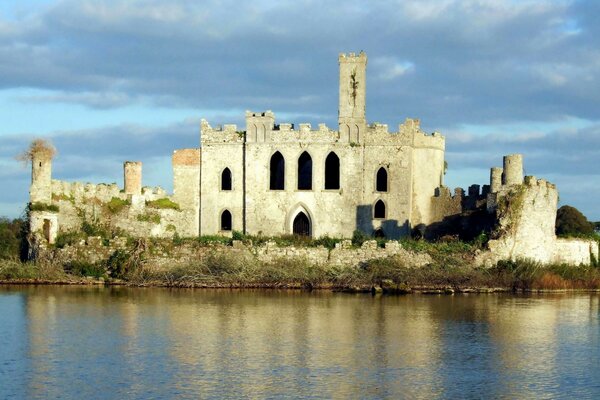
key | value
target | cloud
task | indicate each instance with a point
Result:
(469, 61)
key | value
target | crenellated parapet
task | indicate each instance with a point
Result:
(227, 133)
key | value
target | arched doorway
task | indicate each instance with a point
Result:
(301, 225)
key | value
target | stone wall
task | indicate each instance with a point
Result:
(167, 256)
(526, 217)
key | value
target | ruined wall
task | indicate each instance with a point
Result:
(526, 215)
(165, 257)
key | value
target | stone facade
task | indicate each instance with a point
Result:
(328, 176)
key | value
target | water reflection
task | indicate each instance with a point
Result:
(79, 342)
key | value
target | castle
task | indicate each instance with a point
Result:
(272, 179)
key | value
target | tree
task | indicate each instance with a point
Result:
(571, 222)
(11, 236)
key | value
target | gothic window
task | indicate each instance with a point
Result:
(382, 180)
(226, 220)
(226, 179)
(332, 171)
(277, 172)
(379, 210)
(304, 172)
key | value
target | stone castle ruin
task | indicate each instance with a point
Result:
(273, 179)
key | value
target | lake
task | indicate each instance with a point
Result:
(101, 343)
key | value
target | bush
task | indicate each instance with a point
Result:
(82, 268)
(68, 238)
(118, 264)
(163, 203)
(571, 222)
(359, 237)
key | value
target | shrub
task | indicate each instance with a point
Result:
(83, 268)
(359, 237)
(68, 238)
(163, 203)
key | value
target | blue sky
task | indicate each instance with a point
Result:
(109, 81)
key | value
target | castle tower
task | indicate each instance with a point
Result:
(513, 170)
(353, 90)
(495, 179)
(258, 124)
(41, 176)
(132, 171)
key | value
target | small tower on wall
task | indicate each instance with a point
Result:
(42, 218)
(353, 92)
(41, 153)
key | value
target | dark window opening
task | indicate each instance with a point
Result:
(382, 180)
(226, 221)
(305, 172)
(277, 172)
(379, 209)
(301, 225)
(332, 171)
(226, 179)
(379, 233)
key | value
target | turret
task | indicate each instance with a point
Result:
(353, 91)
(41, 172)
(258, 124)
(513, 170)
(495, 179)
(132, 172)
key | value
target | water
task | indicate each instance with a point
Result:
(96, 343)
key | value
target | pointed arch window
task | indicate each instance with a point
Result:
(304, 172)
(379, 210)
(381, 184)
(226, 179)
(277, 181)
(332, 171)
(226, 220)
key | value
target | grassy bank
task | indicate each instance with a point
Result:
(389, 274)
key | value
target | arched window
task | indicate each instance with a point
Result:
(379, 210)
(304, 172)
(226, 220)
(301, 225)
(332, 171)
(226, 179)
(382, 180)
(277, 172)
(379, 233)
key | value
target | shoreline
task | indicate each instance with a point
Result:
(366, 289)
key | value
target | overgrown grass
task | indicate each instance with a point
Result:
(163, 203)
(14, 270)
(149, 217)
(43, 207)
(115, 205)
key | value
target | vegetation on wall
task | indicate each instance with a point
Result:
(40, 147)
(149, 217)
(163, 203)
(43, 207)
(115, 205)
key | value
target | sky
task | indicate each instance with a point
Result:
(109, 81)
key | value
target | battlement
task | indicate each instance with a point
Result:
(228, 133)
(353, 57)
